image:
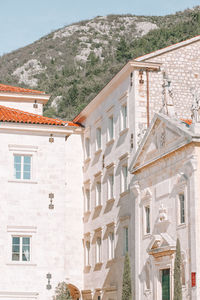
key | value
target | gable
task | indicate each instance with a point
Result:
(162, 137)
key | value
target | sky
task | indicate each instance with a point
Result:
(25, 21)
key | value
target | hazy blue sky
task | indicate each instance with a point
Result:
(24, 21)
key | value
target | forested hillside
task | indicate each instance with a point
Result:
(75, 62)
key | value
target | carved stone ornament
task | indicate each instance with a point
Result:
(162, 214)
(161, 139)
(168, 103)
(141, 132)
(195, 109)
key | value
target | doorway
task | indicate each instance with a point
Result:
(166, 284)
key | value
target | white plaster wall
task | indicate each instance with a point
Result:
(110, 273)
(24, 206)
(24, 105)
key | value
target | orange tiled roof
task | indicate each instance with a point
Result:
(8, 114)
(15, 89)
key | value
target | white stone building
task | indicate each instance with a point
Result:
(70, 206)
(41, 206)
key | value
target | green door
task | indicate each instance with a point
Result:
(166, 284)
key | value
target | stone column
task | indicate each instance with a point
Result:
(135, 240)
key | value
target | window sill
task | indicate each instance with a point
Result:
(124, 193)
(123, 131)
(87, 213)
(111, 260)
(99, 264)
(23, 181)
(87, 160)
(181, 226)
(98, 151)
(98, 206)
(111, 200)
(146, 236)
(110, 142)
(21, 263)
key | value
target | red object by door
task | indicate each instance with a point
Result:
(193, 279)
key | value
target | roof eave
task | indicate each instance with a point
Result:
(116, 80)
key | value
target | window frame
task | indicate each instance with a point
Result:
(110, 129)
(124, 177)
(98, 192)
(98, 138)
(22, 165)
(110, 185)
(21, 237)
(111, 245)
(98, 257)
(87, 148)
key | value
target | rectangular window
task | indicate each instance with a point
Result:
(98, 138)
(147, 219)
(87, 258)
(124, 179)
(87, 147)
(125, 240)
(182, 208)
(123, 117)
(110, 186)
(20, 248)
(110, 128)
(98, 193)
(98, 250)
(111, 246)
(22, 167)
(87, 200)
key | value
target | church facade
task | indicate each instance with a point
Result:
(76, 198)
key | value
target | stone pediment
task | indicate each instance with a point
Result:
(163, 136)
(161, 245)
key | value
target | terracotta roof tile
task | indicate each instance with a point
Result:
(15, 89)
(8, 114)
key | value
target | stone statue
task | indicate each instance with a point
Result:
(195, 106)
(168, 105)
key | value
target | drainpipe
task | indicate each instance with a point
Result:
(147, 76)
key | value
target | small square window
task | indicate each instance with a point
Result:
(20, 248)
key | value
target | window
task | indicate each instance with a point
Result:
(98, 250)
(147, 219)
(110, 128)
(98, 138)
(98, 193)
(22, 167)
(182, 208)
(123, 117)
(124, 179)
(111, 246)
(125, 240)
(87, 253)
(87, 200)
(20, 248)
(87, 147)
(110, 186)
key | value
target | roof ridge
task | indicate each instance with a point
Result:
(10, 114)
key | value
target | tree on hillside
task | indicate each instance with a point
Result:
(62, 292)
(177, 273)
(126, 286)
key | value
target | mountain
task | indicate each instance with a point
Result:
(75, 62)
